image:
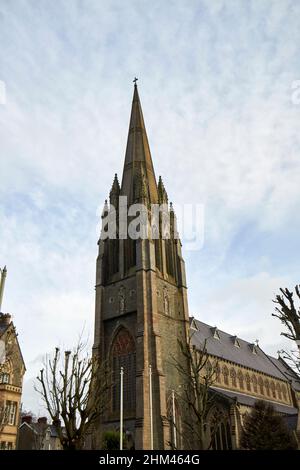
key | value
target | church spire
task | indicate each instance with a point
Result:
(138, 182)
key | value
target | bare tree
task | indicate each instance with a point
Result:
(199, 373)
(289, 315)
(75, 388)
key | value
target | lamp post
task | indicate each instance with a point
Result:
(174, 419)
(121, 407)
(151, 407)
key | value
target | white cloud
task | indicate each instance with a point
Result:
(215, 83)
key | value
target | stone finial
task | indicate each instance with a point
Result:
(162, 193)
(105, 209)
(115, 192)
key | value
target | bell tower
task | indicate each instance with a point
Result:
(141, 302)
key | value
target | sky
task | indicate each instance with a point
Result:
(218, 85)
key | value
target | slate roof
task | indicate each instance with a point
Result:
(40, 429)
(290, 375)
(224, 348)
(249, 401)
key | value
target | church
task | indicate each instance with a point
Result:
(142, 318)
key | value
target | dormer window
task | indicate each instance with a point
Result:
(236, 342)
(215, 332)
(194, 325)
(253, 348)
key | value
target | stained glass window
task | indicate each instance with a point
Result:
(123, 355)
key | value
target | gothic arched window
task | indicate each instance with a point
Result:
(261, 385)
(123, 355)
(241, 380)
(254, 381)
(169, 256)
(248, 382)
(279, 391)
(283, 392)
(273, 390)
(225, 375)
(218, 373)
(267, 385)
(233, 377)
(129, 253)
(221, 435)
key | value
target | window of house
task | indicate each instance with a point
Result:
(6, 445)
(4, 378)
(123, 355)
(11, 411)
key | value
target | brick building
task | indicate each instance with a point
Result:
(38, 435)
(12, 370)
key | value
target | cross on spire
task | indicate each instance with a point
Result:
(135, 80)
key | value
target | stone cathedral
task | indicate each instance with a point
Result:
(141, 301)
(141, 316)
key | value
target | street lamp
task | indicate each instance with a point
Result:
(121, 407)
(174, 419)
(151, 407)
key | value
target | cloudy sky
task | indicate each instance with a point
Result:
(216, 81)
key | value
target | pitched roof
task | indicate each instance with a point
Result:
(248, 400)
(223, 345)
(287, 371)
(38, 429)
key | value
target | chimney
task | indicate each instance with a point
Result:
(27, 419)
(42, 420)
